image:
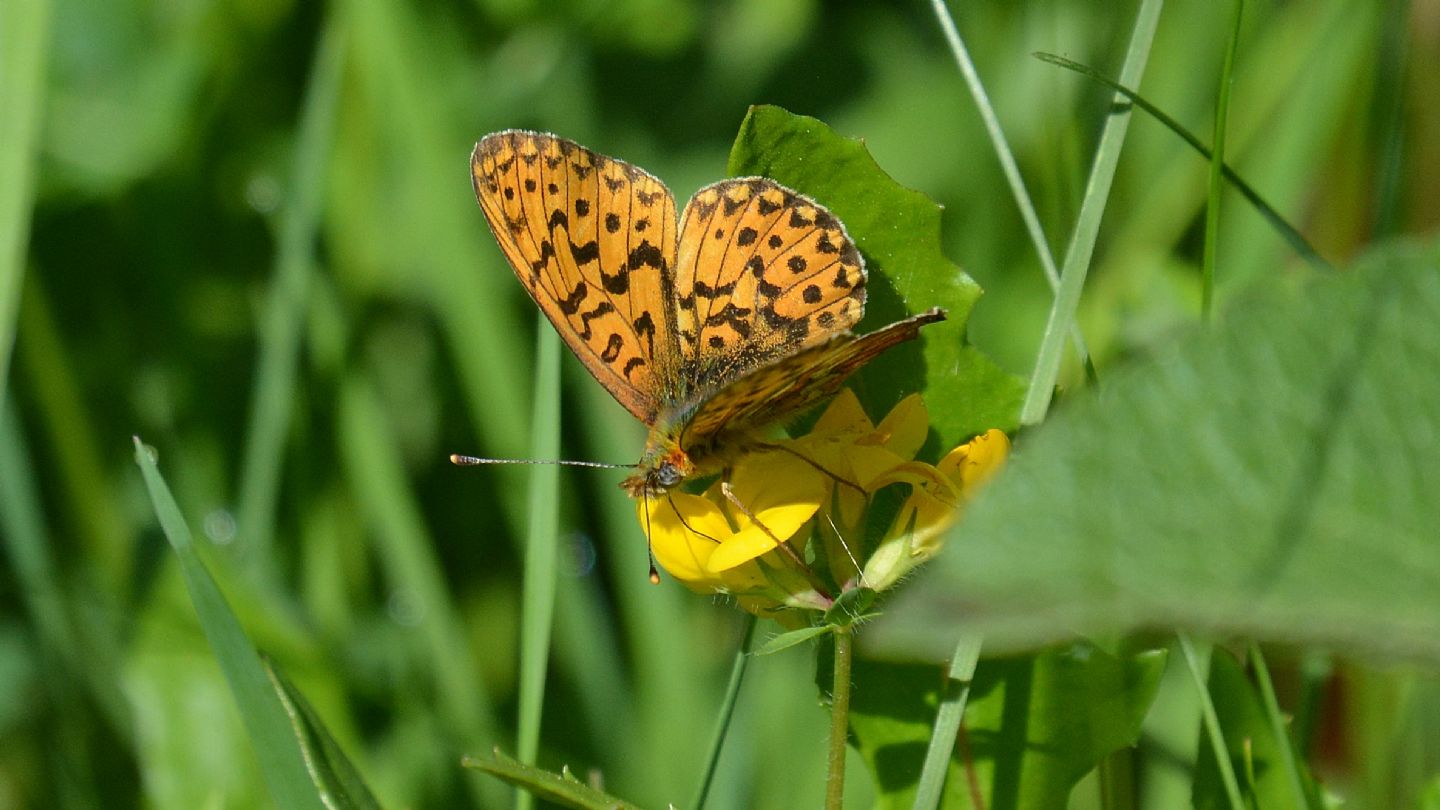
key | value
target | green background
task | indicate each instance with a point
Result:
(247, 235)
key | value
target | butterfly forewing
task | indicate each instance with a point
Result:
(592, 239)
(761, 272)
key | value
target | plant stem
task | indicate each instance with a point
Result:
(1198, 672)
(839, 717)
(1283, 742)
(947, 723)
(1087, 225)
(1217, 165)
(1008, 166)
(541, 554)
(727, 710)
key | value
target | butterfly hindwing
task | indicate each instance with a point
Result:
(791, 384)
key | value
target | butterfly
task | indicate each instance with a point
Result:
(707, 330)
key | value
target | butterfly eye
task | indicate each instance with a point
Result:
(667, 475)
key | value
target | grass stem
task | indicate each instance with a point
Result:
(839, 717)
(1211, 720)
(1217, 166)
(727, 711)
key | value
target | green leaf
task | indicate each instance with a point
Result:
(1252, 747)
(898, 231)
(1034, 726)
(282, 759)
(785, 641)
(851, 606)
(562, 788)
(1274, 477)
(335, 778)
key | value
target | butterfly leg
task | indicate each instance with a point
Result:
(780, 543)
(836, 477)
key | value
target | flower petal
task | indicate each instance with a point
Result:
(752, 541)
(906, 427)
(843, 415)
(972, 463)
(684, 532)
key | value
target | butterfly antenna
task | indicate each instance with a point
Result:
(650, 544)
(473, 461)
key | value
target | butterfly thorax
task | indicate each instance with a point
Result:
(666, 464)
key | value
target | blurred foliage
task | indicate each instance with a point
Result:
(266, 201)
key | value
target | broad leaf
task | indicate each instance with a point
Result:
(898, 231)
(1277, 476)
(1034, 726)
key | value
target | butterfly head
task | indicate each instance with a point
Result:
(663, 468)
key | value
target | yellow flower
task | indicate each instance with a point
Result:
(711, 545)
(936, 495)
(822, 482)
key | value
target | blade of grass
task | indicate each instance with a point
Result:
(538, 589)
(1389, 116)
(26, 544)
(1217, 165)
(334, 776)
(51, 377)
(1297, 241)
(1198, 668)
(1008, 165)
(947, 723)
(24, 51)
(1283, 740)
(727, 711)
(272, 396)
(278, 751)
(1087, 225)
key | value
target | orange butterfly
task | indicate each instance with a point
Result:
(707, 331)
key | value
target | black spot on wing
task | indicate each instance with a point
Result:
(706, 291)
(645, 328)
(602, 308)
(547, 252)
(646, 255)
(570, 304)
(612, 348)
(586, 253)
